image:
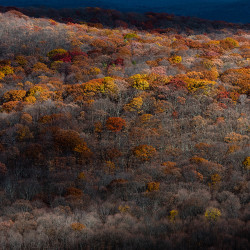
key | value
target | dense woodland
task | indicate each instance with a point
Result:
(123, 131)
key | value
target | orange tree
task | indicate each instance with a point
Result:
(70, 140)
(144, 152)
(115, 124)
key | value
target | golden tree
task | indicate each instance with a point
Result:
(144, 152)
(212, 214)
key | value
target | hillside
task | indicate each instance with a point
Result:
(123, 131)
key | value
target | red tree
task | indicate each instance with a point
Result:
(115, 124)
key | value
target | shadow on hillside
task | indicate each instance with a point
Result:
(107, 18)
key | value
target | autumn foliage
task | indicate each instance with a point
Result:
(123, 131)
(144, 152)
(115, 124)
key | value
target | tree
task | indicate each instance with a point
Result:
(246, 163)
(3, 169)
(115, 124)
(212, 214)
(14, 95)
(144, 152)
(215, 180)
(153, 186)
(134, 105)
(70, 140)
(77, 226)
(56, 53)
(175, 59)
(139, 82)
(172, 215)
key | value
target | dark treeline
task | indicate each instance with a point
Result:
(227, 10)
(143, 21)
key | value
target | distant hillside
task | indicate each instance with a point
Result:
(227, 10)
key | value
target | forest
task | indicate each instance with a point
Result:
(123, 131)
